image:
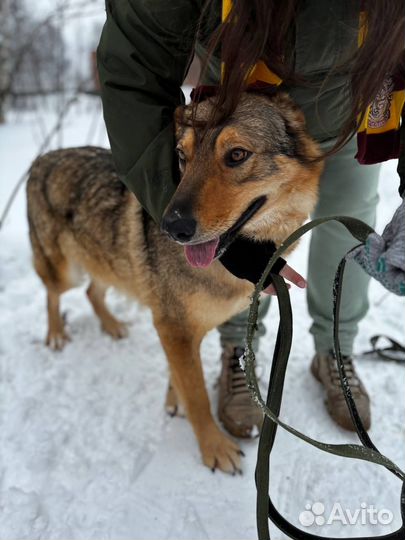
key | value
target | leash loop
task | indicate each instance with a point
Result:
(395, 348)
(367, 451)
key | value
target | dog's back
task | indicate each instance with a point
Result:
(80, 215)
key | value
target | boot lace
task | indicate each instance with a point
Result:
(350, 371)
(237, 379)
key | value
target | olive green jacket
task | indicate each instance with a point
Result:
(144, 53)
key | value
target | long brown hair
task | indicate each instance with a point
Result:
(260, 30)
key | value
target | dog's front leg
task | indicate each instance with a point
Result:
(182, 347)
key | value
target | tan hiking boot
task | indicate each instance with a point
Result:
(236, 409)
(324, 368)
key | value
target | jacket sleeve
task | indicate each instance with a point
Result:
(143, 55)
(401, 161)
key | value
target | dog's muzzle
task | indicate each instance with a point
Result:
(181, 227)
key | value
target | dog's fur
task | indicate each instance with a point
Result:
(82, 217)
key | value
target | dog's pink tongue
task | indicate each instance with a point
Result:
(201, 255)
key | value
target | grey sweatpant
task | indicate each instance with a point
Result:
(346, 188)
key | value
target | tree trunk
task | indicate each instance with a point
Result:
(4, 55)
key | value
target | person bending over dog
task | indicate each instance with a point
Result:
(333, 58)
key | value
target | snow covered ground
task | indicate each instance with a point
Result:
(86, 450)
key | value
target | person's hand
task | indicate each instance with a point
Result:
(290, 275)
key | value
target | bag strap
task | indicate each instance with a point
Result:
(271, 408)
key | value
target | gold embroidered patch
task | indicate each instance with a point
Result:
(380, 109)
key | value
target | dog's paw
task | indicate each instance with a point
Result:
(56, 340)
(173, 406)
(220, 452)
(116, 329)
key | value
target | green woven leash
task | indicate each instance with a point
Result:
(394, 352)
(367, 451)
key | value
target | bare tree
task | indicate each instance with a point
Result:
(37, 51)
(34, 61)
(5, 63)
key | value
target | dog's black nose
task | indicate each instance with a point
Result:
(181, 229)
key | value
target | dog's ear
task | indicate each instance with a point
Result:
(182, 119)
(179, 121)
(292, 114)
(301, 145)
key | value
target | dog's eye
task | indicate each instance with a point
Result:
(182, 158)
(237, 156)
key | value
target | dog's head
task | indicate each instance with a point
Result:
(254, 174)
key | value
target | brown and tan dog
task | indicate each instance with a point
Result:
(82, 217)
